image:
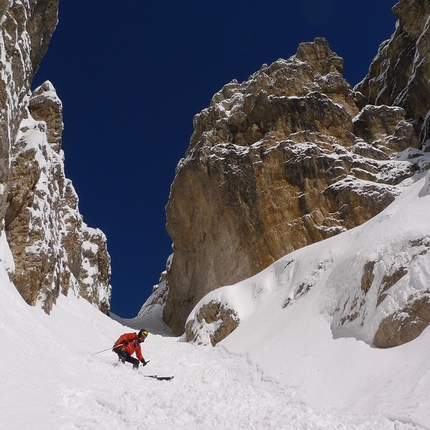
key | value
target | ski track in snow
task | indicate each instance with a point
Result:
(50, 381)
(211, 389)
(56, 384)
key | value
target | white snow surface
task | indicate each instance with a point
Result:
(282, 368)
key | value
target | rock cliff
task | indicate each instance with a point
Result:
(53, 250)
(280, 161)
(370, 283)
(399, 75)
(400, 72)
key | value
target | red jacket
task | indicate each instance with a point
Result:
(132, 347)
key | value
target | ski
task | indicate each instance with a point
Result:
(160, 378)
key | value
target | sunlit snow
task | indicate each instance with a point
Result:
(287, 365)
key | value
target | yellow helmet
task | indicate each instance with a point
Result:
(143, 333)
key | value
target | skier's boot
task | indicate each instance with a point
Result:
(122, 355)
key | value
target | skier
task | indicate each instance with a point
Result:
(128, 344)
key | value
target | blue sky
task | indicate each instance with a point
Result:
(131, 76)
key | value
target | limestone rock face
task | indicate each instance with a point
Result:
(280, 161)
(26, 29)
(44, 105)
(95, 270)
(41, 21)
(53, 250)
(392, 297)
(371, 283)
(399, 74)
(213, 313)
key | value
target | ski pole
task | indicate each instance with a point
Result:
(104, 350)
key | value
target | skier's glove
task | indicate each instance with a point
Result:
(125, 342)
(144, 363)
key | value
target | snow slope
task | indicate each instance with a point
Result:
(283, 368)
(50, 380)
(297, 340)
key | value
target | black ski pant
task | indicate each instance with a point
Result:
(124, 357)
